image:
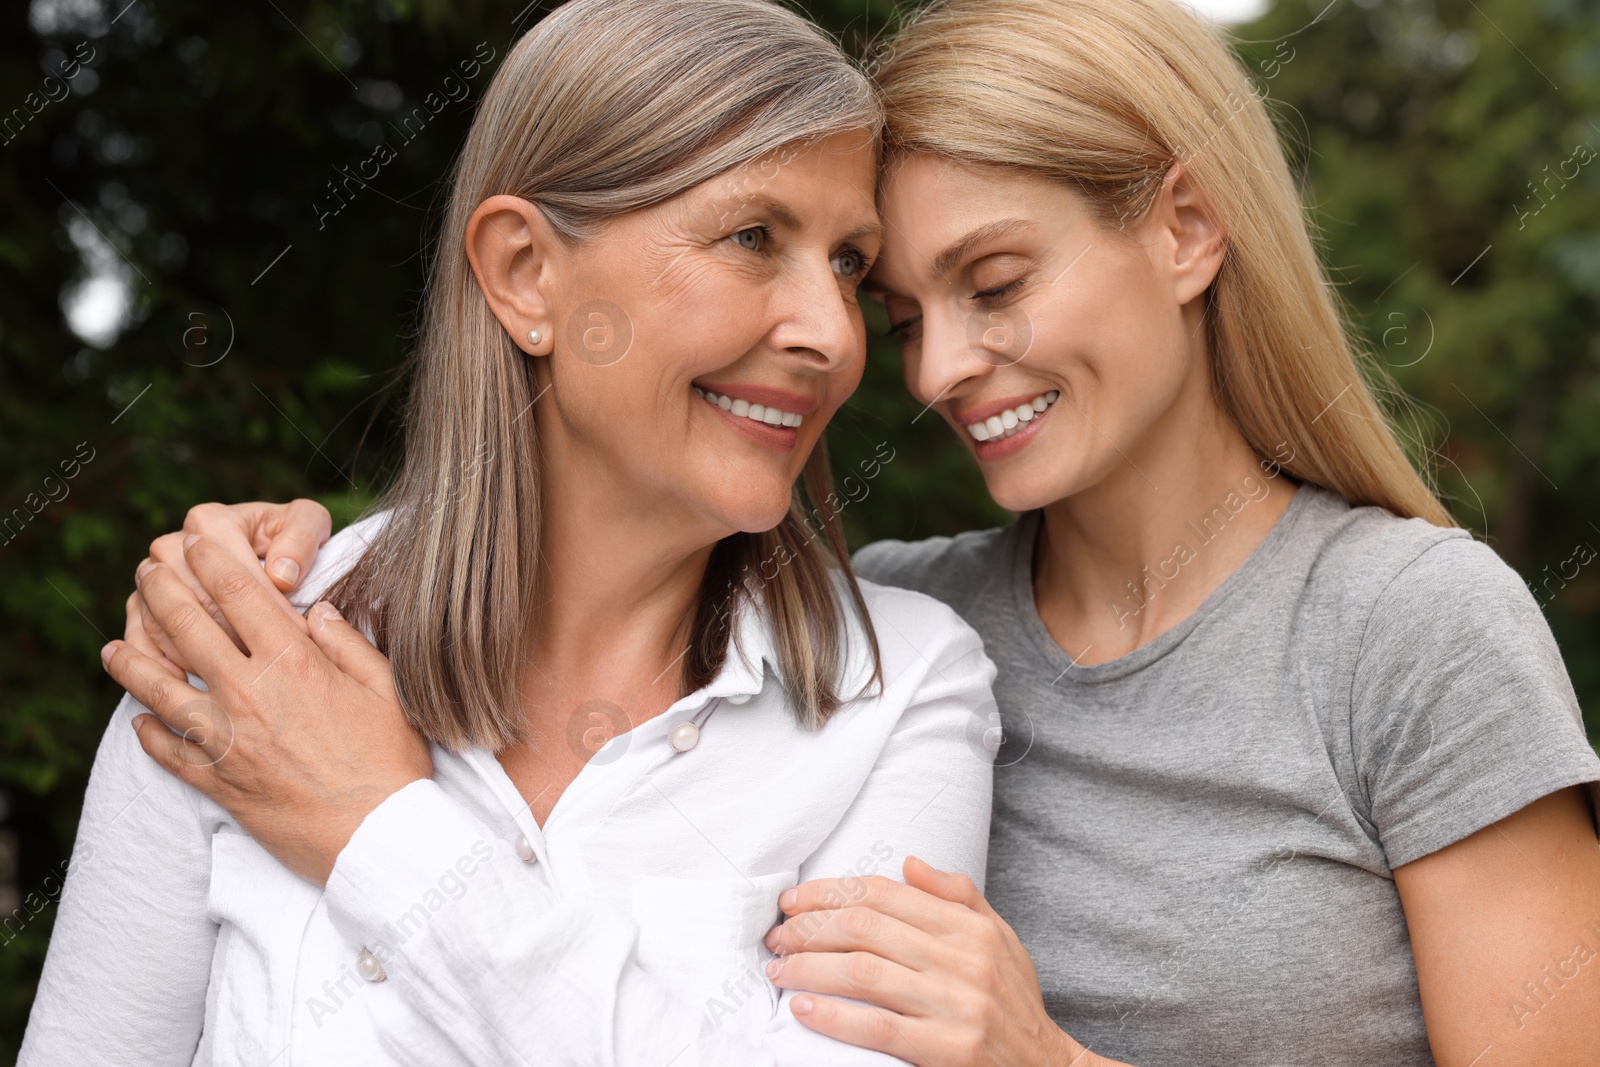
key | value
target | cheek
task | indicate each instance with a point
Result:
(1131, 344)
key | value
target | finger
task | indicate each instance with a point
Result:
(180, 758)
(145, 643)
(198, 640)
(254, 608)
(859, 975)
(158, 636)
(946, 885)
(865, 1026)
(349, 649)
(853, 930)
(906, 903)
(149, 684)
(234, 528)
(196, 719)
(168, 549)
(287, 536)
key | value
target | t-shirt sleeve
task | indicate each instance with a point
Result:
(884, 562)
(1462, 711)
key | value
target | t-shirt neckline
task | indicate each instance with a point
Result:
(1026, 541)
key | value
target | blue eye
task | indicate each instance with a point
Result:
(848, 263)
(751, 238)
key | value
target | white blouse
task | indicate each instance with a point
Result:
(456, 930)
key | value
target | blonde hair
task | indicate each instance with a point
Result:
(1106, 95)
(604, 107)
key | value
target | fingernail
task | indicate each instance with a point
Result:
(787, 898)
(144, 568)
(773, 967)
(771, 940)
(328, 612)
(286, 570)
(800, 1005)
(107, 652)
(191, 539)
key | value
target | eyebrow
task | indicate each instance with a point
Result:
(946, 261)
(779, 212)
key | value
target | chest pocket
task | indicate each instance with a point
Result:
(703, 938)
(263, 909)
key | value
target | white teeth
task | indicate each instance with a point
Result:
(757, 412)
(1008, 422)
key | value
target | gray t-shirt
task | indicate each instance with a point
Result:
(1195, 840)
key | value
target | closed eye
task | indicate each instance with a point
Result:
(998, 291)
(899, 329)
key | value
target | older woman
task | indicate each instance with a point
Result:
(641, 316)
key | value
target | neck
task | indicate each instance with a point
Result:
(1122, 562)
(618, 583)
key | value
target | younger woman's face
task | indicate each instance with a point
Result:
(702, 344)
(1056, 350)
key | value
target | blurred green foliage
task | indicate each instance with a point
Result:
(191, 149)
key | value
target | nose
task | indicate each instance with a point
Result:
(817, 322)
(954, 352)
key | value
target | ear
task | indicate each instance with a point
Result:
(513, 251)
(1194, 244)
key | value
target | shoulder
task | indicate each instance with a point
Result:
(1370, 539)
(918, 635)
(1454, 604)
(948, 568)
(1411, 573)
(336, 557)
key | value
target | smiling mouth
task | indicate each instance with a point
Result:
(1010, 421)
(769, 416)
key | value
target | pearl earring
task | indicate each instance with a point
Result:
(533, 337)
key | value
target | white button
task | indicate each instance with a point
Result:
(369, 967)
(524, 849)
(739, 698)
(684, 736)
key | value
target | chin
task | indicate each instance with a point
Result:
(745, 518)
(1019, 493)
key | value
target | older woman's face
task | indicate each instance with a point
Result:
(702, 345)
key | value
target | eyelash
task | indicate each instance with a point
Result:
(864, 261)
(899, 328)
(998, 291)
(983, 294)
(764, 231)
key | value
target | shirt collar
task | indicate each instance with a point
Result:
(753, 651)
